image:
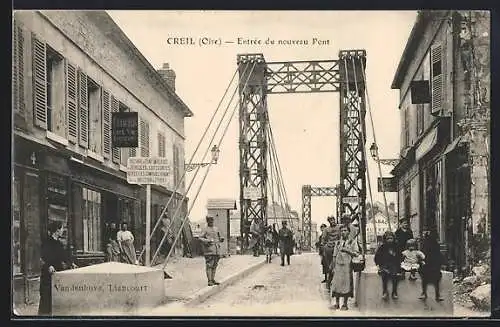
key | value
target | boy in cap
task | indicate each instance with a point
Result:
(211, 239)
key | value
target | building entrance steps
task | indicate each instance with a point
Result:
(369, 296)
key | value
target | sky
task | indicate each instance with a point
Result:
(305, 126)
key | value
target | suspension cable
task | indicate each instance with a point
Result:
(206, 173)
(195, 174)
(363, 144)
(280, 184)
(277, 180)
(271, 185)
(375, 141)
(190, 161)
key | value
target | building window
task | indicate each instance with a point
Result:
(95, 124)
(91, 221)
(55, 90)
(16, 227)
(124, 151)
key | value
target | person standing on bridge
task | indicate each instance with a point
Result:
(268, 242)
(257, 233)
(329, 236)
(343, 282)
(211, 239)
(388, 259)
(320, 251)
(286, 243)
(275, 239)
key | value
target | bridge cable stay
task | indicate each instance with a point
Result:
(276, 179)
(363, 144)
(375, 141)
(192, 180)
(190, 161)
(281, 186)
(271, 188)
(207, 170)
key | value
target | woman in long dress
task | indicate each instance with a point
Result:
(125, 240)
(112, 248)
(53, 258)
(342, 282)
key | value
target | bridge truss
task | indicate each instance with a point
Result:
(344, 76)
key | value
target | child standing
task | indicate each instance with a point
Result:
(431, 270)
(388, 260)
(269, 243)
(412, 259)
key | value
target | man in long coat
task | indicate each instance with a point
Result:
(286, 243)
(211, 239)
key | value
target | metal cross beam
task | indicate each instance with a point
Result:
(307, 193)
(300, 77)
(303, 76)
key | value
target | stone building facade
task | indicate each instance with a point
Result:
(443, 172)
(71, 70)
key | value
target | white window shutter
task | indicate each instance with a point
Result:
(39, 82)
(83, 105)
(437, 78)
(106, 124)
(71, 102)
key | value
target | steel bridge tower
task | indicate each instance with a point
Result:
(343, 75)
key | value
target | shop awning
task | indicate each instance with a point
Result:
(452, 146)
(428, 142)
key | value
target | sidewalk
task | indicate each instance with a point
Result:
(189, 282)
(188, 274)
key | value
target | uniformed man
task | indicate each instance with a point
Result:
(330, 235)
(210, 237)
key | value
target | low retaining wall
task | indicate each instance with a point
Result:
(107, 288)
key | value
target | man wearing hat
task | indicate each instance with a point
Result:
(210, 237)
(330, 236)
(285, 236)
(352, 223)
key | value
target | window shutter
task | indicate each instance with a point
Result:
(161, 145)
(71, 102)
(144, 138)
(18, 70)
(437, 78)
(39, 83)
(83, 109)
(106, 124)
(115, 151)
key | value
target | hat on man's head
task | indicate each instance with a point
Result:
(284, 222)
(330, 218)
(209, 217)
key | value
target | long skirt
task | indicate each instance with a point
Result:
(128, 254)
(342, 282)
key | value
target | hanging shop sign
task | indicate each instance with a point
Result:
(125, 129)
(390, 184)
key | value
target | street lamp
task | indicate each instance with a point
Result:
(215, 157)
(374, 153)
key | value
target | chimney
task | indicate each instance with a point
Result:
(168, 75)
